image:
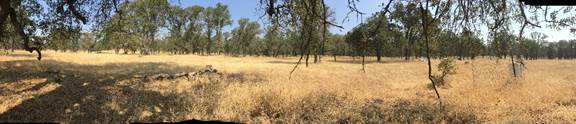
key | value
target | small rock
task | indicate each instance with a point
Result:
(138, 76)
(157, 109)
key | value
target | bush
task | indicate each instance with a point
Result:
(447, 67)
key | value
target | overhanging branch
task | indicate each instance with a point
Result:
(524, 16)
(19, 29)
(74, 11)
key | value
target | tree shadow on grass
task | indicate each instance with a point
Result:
(369, 61)
(283, 62)
(92, 93)
(27, 55)
(340, 61)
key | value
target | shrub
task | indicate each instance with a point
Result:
(446, 67)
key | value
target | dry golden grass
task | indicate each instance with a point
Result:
(100, 88)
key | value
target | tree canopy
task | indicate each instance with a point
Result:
(297, 27)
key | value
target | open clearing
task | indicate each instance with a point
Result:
(101, 88)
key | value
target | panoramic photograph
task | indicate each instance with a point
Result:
(288, 61)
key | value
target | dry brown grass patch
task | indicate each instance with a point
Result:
(101, 88)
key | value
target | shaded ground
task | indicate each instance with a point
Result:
(109, 93)
(89, 93)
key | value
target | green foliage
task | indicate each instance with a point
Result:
(460, 45)
(186, 30)
(215, 18)
(87, 42)
(355, 40)
(337, 45)
(222, 20)
(136, 28)
(501, 43)
(273, 40)
(407, 18)
(63, 40)
(447, 66)
(297, 27)
(244, 38)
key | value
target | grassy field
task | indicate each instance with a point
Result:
(102, 88)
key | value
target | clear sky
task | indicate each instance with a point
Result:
(249, 9)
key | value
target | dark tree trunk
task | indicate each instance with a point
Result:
(334, 57)
(425, 24)
(209, 46)
(406, 53)
(379, 54)
(307, 57)
(13, 44)
(315, 58)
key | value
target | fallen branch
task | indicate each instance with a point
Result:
(208, 70)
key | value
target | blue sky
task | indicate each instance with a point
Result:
(248, 9)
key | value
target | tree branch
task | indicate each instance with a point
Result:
(524, 15)
(76, 13)
(425, 25)
(379, 24)
(19, 29)
(353, 9)
(551, 21)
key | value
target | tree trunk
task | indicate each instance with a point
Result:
(406, 54)
(13, 42)
(209, 46)
(316, 58)
(425, 25)
(408, 45)
(307, 57)
(418, 53)
(334, 57)
(379, 54)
